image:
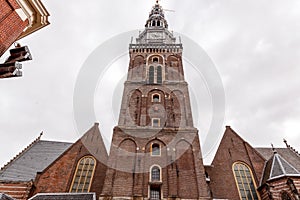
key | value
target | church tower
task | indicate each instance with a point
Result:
(155, 151)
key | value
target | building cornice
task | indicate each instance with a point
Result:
(36, 13)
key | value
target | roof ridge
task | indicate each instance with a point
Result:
(22, 152)
(291, 148)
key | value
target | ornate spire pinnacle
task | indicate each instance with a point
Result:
(157, 17)
(290, 147)
(273, 149)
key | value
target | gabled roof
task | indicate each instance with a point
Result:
(34, 158)
(64, 196)
(277, 167)
(286, 153)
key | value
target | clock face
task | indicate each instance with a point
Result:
(155, 35)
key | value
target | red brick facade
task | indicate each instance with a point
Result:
(275, 189)
(11, 25)
(17, 190)
(232, 149)
(57, 178)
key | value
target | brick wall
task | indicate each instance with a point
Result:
(184, 177)
(59, 175)
(11, 25)
(276, 187)
(17, 190)
(232, 149)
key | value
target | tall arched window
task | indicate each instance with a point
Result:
(83, 175)
(155, 173)
(244, 181)
(151, 74)
(159, 75)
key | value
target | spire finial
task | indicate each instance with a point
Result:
(286, 143)
(273, 149)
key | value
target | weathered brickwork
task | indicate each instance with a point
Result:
(11, 26)
(59, 175)
(17, 190)
(275, 188)
(232, 149)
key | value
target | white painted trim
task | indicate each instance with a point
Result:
(21, 14)
(36, 13)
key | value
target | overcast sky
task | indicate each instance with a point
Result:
(254, 44)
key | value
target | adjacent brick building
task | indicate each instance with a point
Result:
(18, 18)
(155, 151)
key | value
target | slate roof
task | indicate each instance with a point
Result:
(64, 196)
(286, 153)
(277, 166)
(35, 158)
(5, 197)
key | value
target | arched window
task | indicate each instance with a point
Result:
(285, 196)
(83, 175)
(151, 75)
(158, 23)
(244, 181)
(159, 75)
(155, 149)
(155, 60)
(155, 174)
(155, 98)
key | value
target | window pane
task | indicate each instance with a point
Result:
(159, 75)
(154, 193)
(83, 175)
(155, 150)
(155, 174)
(155, 122)
(245, 182)
(151, 75)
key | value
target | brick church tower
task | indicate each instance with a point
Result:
(155, 151)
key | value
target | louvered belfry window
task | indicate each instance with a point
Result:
(83, 175)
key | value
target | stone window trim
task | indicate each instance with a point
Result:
(156, 98)
(152, 149)
(155, 74)
(244, 180)
(151, 175)
(155, 122)
(86, 166)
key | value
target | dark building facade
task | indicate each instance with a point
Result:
(155, 151)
